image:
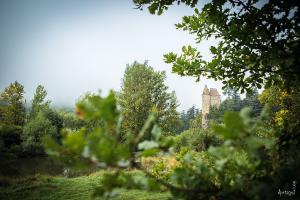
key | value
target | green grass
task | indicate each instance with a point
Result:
(56, 188)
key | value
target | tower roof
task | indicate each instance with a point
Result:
(205, 90)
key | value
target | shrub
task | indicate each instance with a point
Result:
(161, 167)
(196, 139)
(10, 135)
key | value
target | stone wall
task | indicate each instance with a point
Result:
(210, 98)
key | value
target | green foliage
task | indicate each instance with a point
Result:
(101, 146)
(285, 107)
(38, 103)
(249, 53)
(238, 168)
(71, 121)
(188, 118)
(95, 108)
(159, 170)
(235, 103)
(55, 120)
(195, 139)
(62, 188)
(160, 166)
(13, 113)
(196, 122)
(252, 100)
(157, 7)
(102, 143)
(12, 109)
(10, 136)
(34, 131)
(226, 171)
(142, 90)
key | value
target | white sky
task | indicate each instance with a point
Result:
(72, 49)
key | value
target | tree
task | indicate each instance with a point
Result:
(192, 112)
(234, 103)
(258, 41)
(142, 90)
(33, 132)
(38, 102)
(188, 117)
(196, 122)
(231, 103)
(55, 119)
(284, 112)
(252, 101)
(41, 105)
(70, 120)
(12, 108)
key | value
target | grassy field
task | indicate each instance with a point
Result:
(40, 187)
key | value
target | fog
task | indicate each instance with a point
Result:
(72, 47)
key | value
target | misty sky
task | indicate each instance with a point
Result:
(75, 46)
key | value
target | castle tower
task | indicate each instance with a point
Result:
(205, 106)
(210, 98)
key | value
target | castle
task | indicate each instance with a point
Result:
(209, 98)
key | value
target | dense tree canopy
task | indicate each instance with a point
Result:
(233, 102)
(34, 131)
(159, 6)
(258, 41)
(70, 120)
(187, 118)
(142, 90)
(12, 106)
(252, 100)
